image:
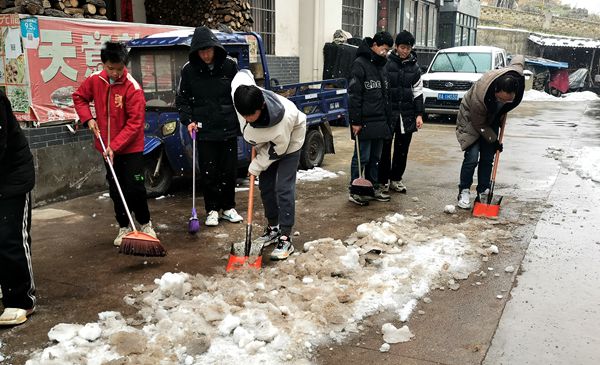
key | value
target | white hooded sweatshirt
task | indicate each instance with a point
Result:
(284, 133)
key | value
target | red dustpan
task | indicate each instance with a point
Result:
(490, 208)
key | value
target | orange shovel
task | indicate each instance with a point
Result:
(245, 254)
(488, 209)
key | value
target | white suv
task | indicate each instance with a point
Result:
(453, 71)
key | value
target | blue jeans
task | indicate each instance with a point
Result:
(484, 152)
(370, 154)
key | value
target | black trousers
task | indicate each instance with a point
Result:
(393, 167)
(130, 172)
(16, 273)
(278, 192)
(218, 170)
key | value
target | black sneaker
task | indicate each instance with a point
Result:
(270, 236)
(283, 250)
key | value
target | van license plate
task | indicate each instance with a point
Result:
(448, 97)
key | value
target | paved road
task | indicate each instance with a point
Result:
(79, 274)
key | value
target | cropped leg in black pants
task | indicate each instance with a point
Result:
(392, 168)
(16, 273)
(218, 168)
(129, 168)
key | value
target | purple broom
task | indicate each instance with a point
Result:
(194, 224)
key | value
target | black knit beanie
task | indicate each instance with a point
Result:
(405, 37)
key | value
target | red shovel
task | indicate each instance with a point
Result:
(488, 209)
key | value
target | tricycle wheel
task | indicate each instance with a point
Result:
(313, 150)
(156, 185)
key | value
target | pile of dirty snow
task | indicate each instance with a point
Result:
(282, 313)
(588, 164)
(314, 174)
(535, 95)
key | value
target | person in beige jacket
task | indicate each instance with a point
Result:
(482, 111)
(276, 129)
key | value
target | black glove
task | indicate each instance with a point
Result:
(498, 146)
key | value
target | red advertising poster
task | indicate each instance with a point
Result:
(68, 51)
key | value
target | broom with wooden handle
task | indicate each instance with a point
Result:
(134, 243)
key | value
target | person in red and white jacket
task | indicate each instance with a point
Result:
(119, 120)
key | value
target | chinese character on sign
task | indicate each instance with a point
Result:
(58, 52)
(91, 46)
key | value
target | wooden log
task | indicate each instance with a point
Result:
(102, 11)
(34, 7)
(59, 5)
(89, 9)
(56, 13)
(97, 3)
(73, 11)
(99, 17)
(12, 10)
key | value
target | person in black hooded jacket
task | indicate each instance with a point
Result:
(369, 110)
(406, 99)
(205, 106)
(17, 178)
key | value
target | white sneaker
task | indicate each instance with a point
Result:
(212, 219)
(232, 216)
(148, 229)
(483, 197)
(398, 186)
(122, 232)
(464, 199)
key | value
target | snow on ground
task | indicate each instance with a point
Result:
(1, 354)
(588, 164)
(315, 174)
(585, 161)
(282, 313)
(535, 95)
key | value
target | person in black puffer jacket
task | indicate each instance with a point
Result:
(369, 110)
(17, 178)
(205, 105)
(406, 98)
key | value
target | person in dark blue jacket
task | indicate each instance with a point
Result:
(406, 99)
(17, 178)
(369, 110)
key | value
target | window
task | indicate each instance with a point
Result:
(352, 17)
(462, 62)
(263, 13)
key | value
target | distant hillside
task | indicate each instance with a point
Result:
(543, 6)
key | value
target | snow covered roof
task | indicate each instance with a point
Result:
(558, 41)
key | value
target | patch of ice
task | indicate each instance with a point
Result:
(391, 334)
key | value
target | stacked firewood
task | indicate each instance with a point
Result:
(234, 14)
(60, 8)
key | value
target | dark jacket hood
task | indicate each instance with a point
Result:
(204, 38)
(411, 59)
(364, 50)
(275, 110)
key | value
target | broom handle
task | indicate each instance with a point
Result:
(194, 169)
(112, 170)
(360, 171)
(496, 160)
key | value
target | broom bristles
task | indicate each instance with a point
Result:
(141, 244)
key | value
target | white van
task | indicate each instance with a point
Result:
(453, 71)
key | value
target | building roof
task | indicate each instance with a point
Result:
(559, 41)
